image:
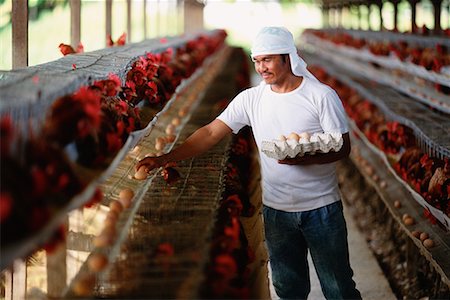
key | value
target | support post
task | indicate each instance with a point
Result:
(193, 16)
(437, 16)
(108, 18)
(75, 22)
(128, 21)
(19, 34)
(16, 281)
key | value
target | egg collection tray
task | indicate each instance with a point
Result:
(318, 142)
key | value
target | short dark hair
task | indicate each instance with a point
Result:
(284, 57)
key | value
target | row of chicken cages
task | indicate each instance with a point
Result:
(408, 131)
(101, 209)
(57, 151)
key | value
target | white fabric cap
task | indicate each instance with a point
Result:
(279, 40)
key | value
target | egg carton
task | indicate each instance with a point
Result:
(318, 142)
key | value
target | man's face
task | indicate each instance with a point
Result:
(272, 68)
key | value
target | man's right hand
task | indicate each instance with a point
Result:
(150, 163)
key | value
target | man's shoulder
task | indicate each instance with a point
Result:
(319, 86)
(253, 92)
(321, 90)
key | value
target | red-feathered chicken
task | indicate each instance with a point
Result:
(68, 49)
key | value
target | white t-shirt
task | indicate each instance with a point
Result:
(312, 107)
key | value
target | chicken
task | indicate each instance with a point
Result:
(170, 175)
(68, 49)
(120, 41)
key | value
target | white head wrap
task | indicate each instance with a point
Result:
(279, 40)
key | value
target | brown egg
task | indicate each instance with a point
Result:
(176, 121)
(397, 204)
(160, 144)
(150, 154)
(369, 170)
(293, 136)
(97, 262)
(170, 129)
(305, 136)
(84, 286)
(170, 138)
(106, 237)
(125, 197)
(405, 216)
(408, 221)
(141, 173)
(112, 214)
(126, 193)
(423, 236)
(110, 220)
(183, 111)
(126, 202)
(160, 139)
(116, 206)
(416, 233)
(135, 150)
(428, 243)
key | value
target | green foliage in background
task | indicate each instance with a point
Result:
(37, 7)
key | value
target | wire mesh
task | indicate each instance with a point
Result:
(163, 252)
(431, 128)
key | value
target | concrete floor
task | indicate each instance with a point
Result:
(369, 277)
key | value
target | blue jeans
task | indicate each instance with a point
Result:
(323, 231)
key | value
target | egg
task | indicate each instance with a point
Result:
(183, 111)
(369, 170)
(150, 154)
(416, 233)
(423, 236)
(383, 184)
(126, 193)
(397, 204)
(160, 139)
(405, 216)
(160, 143)
(84, 286)
(135, 150)
(97, 262)
(305, 136)
(428, 243)
(106, 237)
(408, 221)
(116, 206)
(126, 202)
(170, 138)
(125, 197)
(170, 129)
(141, 173)
(293, 136)
(176, 121)
(110, 220)
(282, 138)
(103, 240)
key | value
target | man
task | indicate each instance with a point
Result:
(302, 208)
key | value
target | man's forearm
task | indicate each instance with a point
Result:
(194, 145)
(198, 143)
